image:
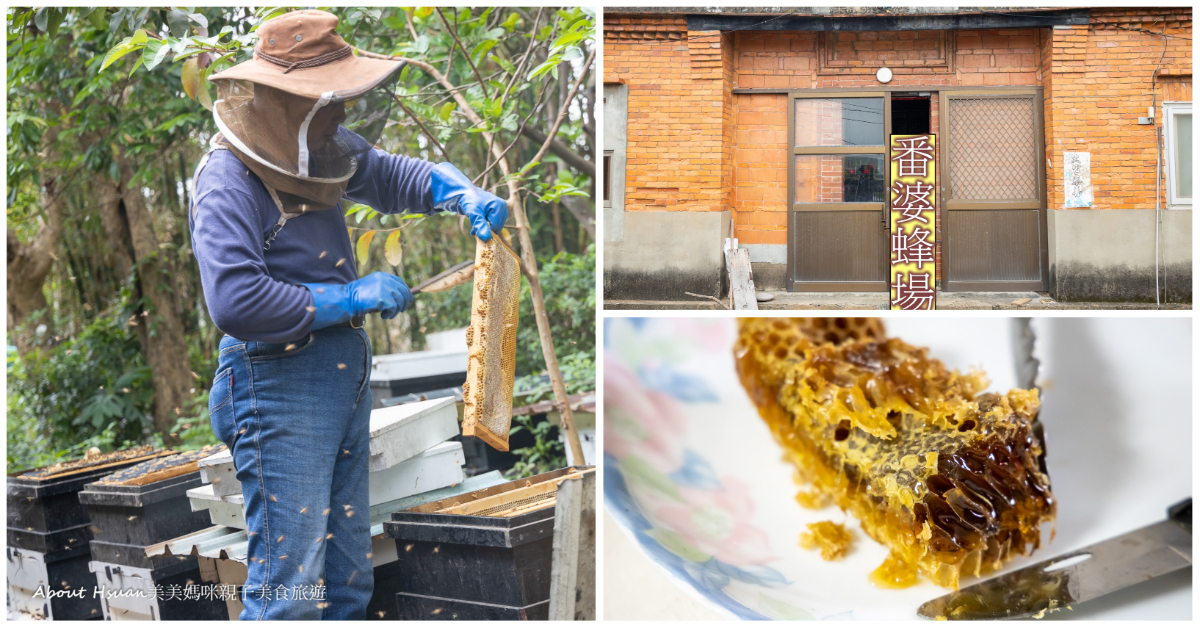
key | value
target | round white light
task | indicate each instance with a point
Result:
(884, 75)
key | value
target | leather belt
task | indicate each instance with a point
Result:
(356, 322)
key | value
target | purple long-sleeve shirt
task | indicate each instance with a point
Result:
(256, 295)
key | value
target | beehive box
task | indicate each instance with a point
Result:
(401, 432)
(139, 602)
(44, 500)
(218, 470)
(481, 555)
(146, 503)
(221, 550)
(51, 542)
(29, 571)
(439, 467)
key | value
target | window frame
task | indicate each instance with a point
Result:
(606, 177)
(794, 151)
(1169, 111)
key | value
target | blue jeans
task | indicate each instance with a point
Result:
(298, 423)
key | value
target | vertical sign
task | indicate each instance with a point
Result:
(912, 222)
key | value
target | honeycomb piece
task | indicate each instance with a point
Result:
(160, 469)
(492, 343)
(951, 480)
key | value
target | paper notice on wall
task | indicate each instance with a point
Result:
(1077, 174)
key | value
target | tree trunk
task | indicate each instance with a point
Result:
(28, 265)
(165, 346)
(108, 197)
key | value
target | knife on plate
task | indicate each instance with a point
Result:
(1077, 576)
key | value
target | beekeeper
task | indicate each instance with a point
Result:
(291, 397)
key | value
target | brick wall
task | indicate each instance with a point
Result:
(680, 125)
(760, 186)
(1099, 82)
(695, 146)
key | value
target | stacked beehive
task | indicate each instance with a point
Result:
(49, 533)
(135, 508)
(412, 461)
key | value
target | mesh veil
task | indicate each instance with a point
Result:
(290, 143)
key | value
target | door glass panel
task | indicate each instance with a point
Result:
(839, 179)
(1183, 155)
(839, 122)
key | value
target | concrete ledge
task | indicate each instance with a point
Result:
(665, 254)
(1108, 256)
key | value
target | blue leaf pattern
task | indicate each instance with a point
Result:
(696, 473)
(664, 378)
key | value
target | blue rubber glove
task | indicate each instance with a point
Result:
(453, 192)
(377, 292)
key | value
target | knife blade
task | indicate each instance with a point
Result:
(1077, 576)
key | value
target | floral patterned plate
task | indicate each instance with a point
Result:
(692, 473)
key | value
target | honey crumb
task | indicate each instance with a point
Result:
(815, 500)
(832, 538)
(894, 573)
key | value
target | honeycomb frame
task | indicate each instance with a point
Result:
(492, 343)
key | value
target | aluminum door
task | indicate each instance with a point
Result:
(837, 191)
(993, 191)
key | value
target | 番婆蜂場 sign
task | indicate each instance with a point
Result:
(914, 185)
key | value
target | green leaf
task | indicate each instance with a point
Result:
(139, 37)
(56, 19)
(568, 39)
(154, 53)
(364, 243)
(481, 49)
(509, 123)
(177, 23)
(546, 66)
(446, 110)
(118, 51)
(421, 45)
(136, 65)
(96, 17)
(392, 250)
(495, 108)
(41, 19)
(502, 62)
(572, 54)
(199, 19)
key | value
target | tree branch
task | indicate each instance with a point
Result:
(512, 80)
(566, 154)
(414, 117)
(453, 30)
(527, 255)
(562, 109)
